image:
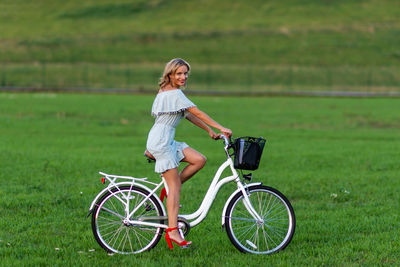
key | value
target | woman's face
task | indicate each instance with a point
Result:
(179, 78)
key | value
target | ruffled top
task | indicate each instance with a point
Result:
(169, 107)
(170, 102)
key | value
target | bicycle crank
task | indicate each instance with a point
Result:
(183, 224)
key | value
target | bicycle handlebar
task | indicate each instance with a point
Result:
(226, 140)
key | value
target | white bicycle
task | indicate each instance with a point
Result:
(128, 217)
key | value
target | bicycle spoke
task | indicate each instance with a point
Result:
(115, 236)
(243, 219)
(111, 203)
(274, 204)
(112, 212)
(130, 242)
(244, 213)
(253, 237)
(259, 198)
(137, 237)
(110, 221)
(265, 238)
(245, 232)
(273, 215)
(271, 239)
(122, 240)
(107, 226)
(243, 227)
(266, 203)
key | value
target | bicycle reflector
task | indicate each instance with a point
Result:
(103, 180)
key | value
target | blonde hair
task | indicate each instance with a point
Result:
(170, 68)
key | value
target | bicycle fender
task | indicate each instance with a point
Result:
(118, 185)
(229, 200)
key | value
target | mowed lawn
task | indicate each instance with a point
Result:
(336, 159)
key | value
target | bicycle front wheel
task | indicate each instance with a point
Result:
(271, 235)
(108, 225)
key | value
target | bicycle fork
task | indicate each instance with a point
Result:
(248, 205)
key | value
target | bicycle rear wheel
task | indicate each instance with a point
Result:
(273, 234)
(109, 228)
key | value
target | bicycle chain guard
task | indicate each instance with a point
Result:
(183, 226)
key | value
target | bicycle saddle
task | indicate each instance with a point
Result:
(149, 156)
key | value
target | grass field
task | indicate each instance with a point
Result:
(335, 159)
(258, 45)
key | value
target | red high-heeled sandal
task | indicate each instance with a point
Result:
(183, 244)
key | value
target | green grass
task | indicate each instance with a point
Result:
(335, 159)
(335, 45)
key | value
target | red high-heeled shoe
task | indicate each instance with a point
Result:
(183, 244)
(163, 194)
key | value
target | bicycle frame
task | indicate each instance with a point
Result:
(213, 189)
(194, 218)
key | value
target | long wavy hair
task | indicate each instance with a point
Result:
(170, 68)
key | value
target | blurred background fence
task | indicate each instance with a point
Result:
(207, 78)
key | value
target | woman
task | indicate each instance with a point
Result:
(169, 107)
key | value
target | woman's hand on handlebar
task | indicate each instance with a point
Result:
(227, 132)
(214, 135)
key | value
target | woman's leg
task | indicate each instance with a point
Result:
(174, 185)
(196, 162)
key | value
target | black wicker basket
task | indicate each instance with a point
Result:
(248, 151)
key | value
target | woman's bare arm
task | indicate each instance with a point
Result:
(196, 121)
(209, 121)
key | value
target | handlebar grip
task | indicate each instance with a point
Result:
(226, 140)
